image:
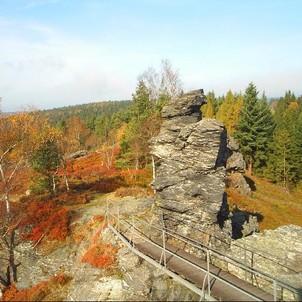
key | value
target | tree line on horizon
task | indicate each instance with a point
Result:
(269, 132)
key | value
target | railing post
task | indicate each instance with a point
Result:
(275, 290)
(245, 262)
(132, 233)
(252, 267)
(118, 218)
(164, 247)
(107, 213)
(208, 272)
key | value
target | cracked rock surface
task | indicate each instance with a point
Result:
(190, 156)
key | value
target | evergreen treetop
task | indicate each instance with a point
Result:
(254, 129)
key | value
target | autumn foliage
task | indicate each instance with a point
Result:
(37, 292)
(45, 219)
(100, 255)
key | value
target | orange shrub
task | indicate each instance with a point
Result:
(37, 292)
(45, 219)
(100, 255)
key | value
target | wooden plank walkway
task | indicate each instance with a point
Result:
(218, 289)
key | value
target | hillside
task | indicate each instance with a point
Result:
(275, 205)
(89, 113)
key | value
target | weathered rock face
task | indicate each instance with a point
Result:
(193, 157)
(190, 157)
(237, 180)
(235, 162)
(276, 252)
(235, 167)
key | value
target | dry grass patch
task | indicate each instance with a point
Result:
(133, 191)
(274, 203)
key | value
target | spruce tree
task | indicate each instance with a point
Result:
(254, 130)
(284, 164)
(46, 160)
(132, 144)
(141, 103)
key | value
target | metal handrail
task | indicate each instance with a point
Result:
(145, 238)
(232, 242)
(219, 255)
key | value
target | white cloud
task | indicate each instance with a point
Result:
(41, 67)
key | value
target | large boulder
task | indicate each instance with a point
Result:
(235, 161)
(239, 183)
(190, 156)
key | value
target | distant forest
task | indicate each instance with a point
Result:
(92, 114)
(269, 131)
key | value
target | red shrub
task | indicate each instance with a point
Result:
(45, 219)
(100, 255)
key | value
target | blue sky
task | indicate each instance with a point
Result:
(62, 52)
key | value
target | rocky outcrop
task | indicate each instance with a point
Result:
(237, 181)
(77, 154)
(190, 156)
(235, 167)
(130, 278)
(235, 161)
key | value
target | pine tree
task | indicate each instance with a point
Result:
(254, 129)
(298, 143)
(46, 160)
(133, 145)
(284, 164)
(141, 103)
(281, 165)
(282, 106)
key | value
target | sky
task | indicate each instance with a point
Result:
(62, 52)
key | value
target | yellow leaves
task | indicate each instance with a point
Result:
(293, 105)
(25, 131)
(229, 111)
(46, 133)
(208, 110)
(120, 132)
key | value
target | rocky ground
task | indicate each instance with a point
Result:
(129, 278)
(276, 252)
